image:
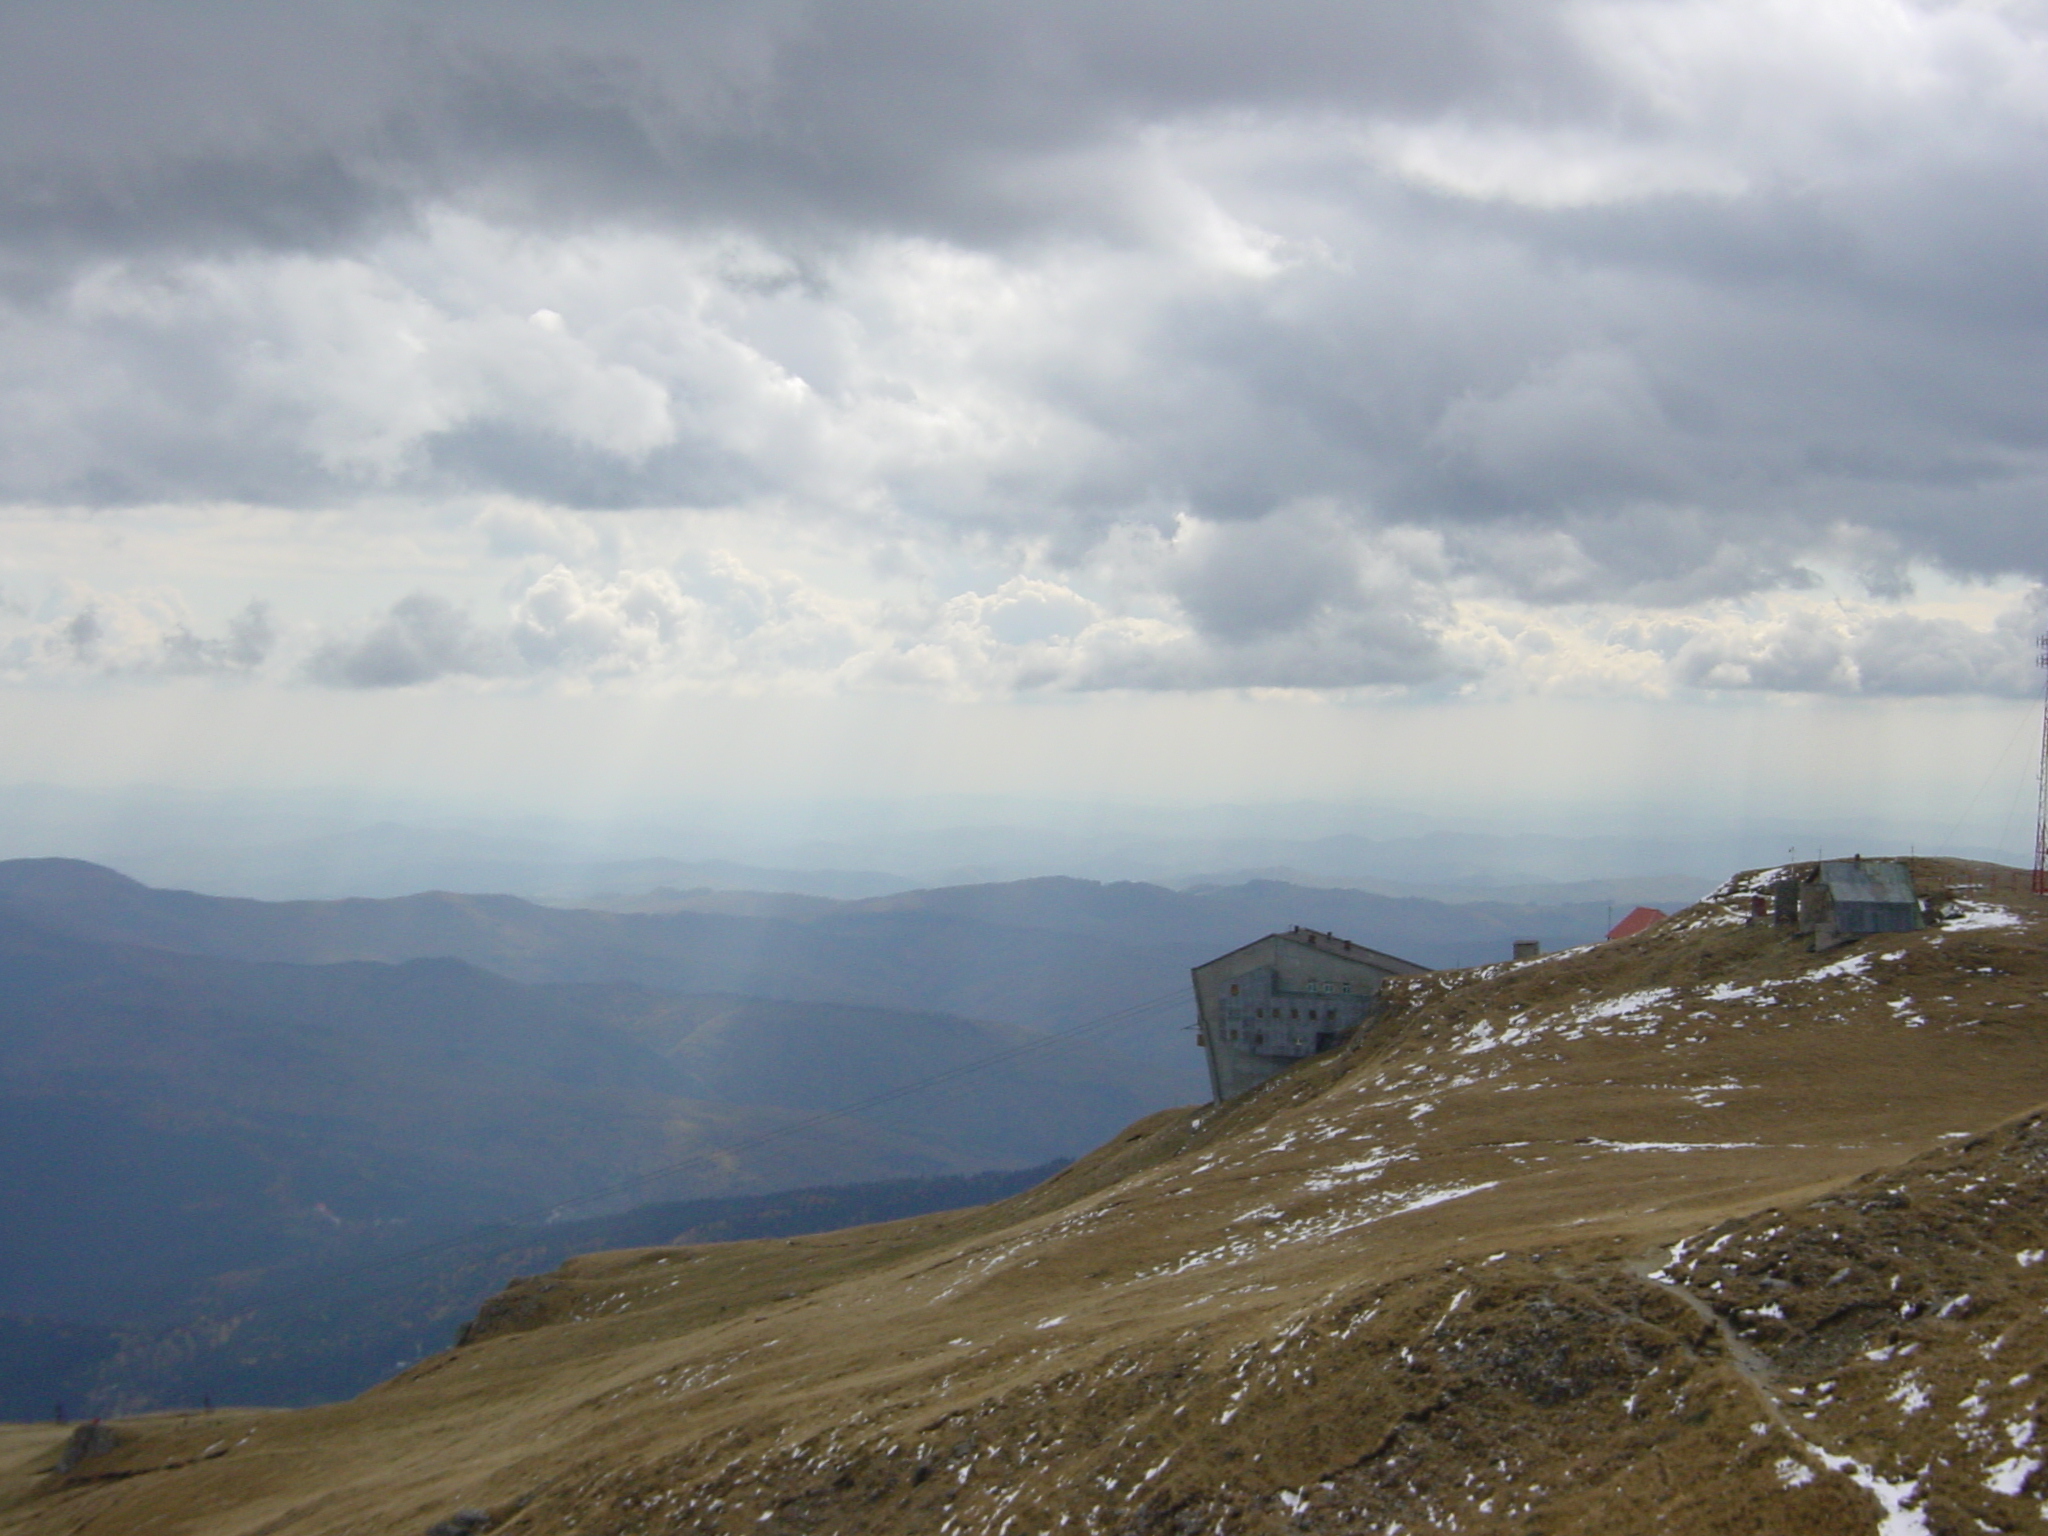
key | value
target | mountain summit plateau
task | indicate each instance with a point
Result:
(1695, 1231)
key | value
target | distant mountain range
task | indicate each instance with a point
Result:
(1042, 953)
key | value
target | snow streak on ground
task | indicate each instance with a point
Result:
(1978, 915)
(1277, 1231)
(1669, 1146)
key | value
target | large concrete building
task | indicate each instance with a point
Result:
(1289, 995)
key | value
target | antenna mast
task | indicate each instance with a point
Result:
(2041, 796)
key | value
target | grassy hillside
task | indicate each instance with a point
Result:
(1695, 1232)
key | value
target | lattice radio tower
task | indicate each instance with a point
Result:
(2041, 790)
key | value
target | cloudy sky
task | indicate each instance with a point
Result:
(1317, 397)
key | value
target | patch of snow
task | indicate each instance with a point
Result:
(1899, 1520)
(1441, 1196)
(1668, 1146)
(1851, 965)
(1358, 1171)
(2009, 1477)
(1726, 992)
(1628, 1005)
(1377, 1207)
(1750, 884)
(1555, 954)
(1793, 1474)
(2029, 1257)
(1910, 1395)
(1050, 1322)
(1977, 915)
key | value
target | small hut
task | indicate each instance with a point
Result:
(1837, 900)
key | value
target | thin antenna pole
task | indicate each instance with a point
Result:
(2041, 788)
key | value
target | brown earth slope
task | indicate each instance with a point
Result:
(1693, 1232)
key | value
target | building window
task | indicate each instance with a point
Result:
(1233, 989)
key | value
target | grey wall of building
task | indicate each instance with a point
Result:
(1282, 998)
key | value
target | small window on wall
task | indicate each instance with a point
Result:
(1233, 989)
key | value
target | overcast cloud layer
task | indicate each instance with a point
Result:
(1647, 346)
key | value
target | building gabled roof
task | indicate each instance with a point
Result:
(1636, 922)
(1885, 881)
(1328, 944)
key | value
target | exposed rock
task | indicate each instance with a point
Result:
(87, 1441)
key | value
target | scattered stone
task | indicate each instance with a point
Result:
(462, 1523)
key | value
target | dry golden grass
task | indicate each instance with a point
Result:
(1404, 1286)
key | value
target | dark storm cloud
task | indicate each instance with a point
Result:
(278, 123)
(1660, 303)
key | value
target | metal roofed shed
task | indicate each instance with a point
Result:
(1838, 900)
(1284, 997)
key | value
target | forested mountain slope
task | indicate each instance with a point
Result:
(166, 1118)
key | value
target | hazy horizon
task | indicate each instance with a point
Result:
(304, 844)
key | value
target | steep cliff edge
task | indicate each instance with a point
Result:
(1692, 1232)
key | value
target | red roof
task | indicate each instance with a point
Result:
(1636, 922)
